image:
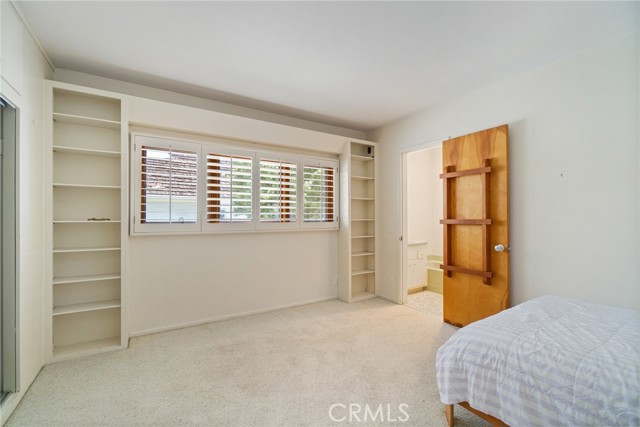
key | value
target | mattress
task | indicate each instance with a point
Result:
(551, 361)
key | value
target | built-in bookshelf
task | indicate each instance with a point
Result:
(358, 222)
(87, 200)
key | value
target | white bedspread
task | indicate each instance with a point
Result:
(551, 361)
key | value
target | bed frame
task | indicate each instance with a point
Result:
(448, 412)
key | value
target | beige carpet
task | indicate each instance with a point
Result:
(285, 368)
(427, 302)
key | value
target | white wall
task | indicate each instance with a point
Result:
(417, 199)
(201, 122)
(184, 280)
(573, 173)
(82, 79)
(424, 198)
(23, 69)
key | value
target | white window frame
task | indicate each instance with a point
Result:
(203, 147)
(323, 163)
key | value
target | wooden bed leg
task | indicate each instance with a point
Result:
(448, 412)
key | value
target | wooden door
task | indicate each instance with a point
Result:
(475, 222)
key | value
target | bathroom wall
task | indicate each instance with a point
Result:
(424, 198)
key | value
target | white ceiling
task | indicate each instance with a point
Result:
(353, 64)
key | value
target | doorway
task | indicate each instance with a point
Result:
(422, 241)
(8, 250)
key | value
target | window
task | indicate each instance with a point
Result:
(169, 186)
(278, 189)
(181, 186)
(229, 189)
(319, 191)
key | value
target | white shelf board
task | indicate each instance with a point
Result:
(366, 199)
(362, 219)
(73, 250)
(98, 187)
(361, 296)
(87, 121)
(359, 272)
(75, 150)
(362, 237)
(90, 278)
(363, 158)
(84, 221)
(85, 307)
(362, 253)
(86, 348)
(362, 178)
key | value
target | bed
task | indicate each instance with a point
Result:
(551, 361)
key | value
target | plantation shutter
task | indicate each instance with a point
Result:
(182, 186)
(229, 189)
(278, 194)
(169, 186)
(319, 193)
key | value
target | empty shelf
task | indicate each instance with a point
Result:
(87, 151)
(360, 296)
(91, 278)
(73, 250)
(359, 272)
(101, 187)
(87, 121)
(86, 348)
(362, 253)
(363, 158)
(81, 308)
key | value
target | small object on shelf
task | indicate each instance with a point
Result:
(98, 219)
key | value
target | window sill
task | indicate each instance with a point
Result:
(208, 232)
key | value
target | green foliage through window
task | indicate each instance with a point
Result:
(319, 194)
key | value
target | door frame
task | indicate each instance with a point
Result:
(404, 214)
(11, 158)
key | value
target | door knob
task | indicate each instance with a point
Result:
(499, 248)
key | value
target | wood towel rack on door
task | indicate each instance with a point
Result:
(484, 222)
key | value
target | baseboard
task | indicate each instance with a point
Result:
(226, 317)
(388, 299)
(14, 400)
